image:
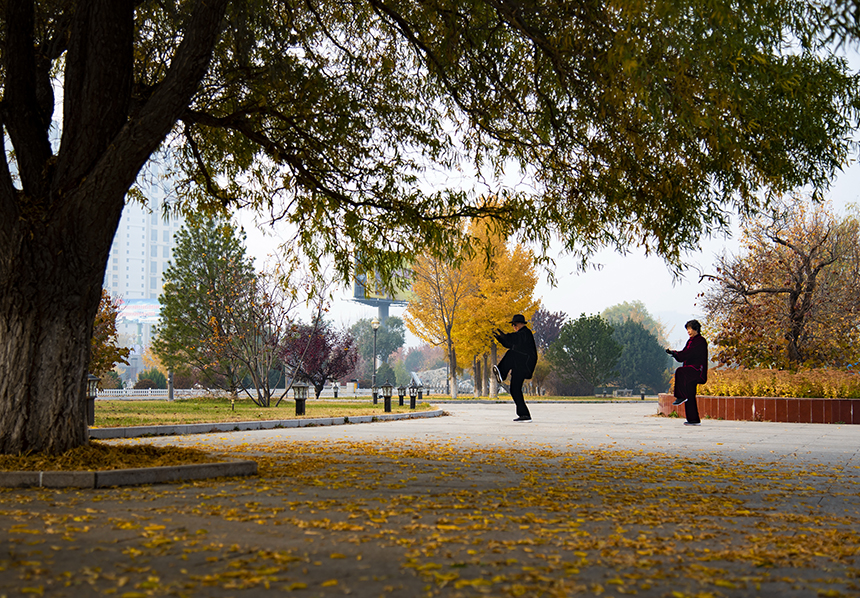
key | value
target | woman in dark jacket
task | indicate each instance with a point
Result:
(693, 372)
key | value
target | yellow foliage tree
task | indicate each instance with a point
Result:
(504, 280)
(458, 305)
(439, 290)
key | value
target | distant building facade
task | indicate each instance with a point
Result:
(141, 253)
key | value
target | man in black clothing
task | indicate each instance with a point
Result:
(520, 360)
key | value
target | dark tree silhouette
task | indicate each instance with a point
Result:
(546, 326)
(319, 354)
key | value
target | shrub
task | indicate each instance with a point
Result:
(153, 374)
(813, 383)
(110, 380)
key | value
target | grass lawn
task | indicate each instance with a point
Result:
(538, 399)
(111, 414)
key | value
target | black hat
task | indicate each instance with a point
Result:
(518, 319)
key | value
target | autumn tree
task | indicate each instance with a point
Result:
(326, 115)
(319, 353)
(439, 290)
(105, 351)
(254, 335)
(789, 299)
(546, 326)
(503, 281)
(585, 351)
(206, 292)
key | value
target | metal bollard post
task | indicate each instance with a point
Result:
(90, 398)
(300, 393)
(386, 395)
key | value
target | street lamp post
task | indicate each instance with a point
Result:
(375, 325)
(92, 392)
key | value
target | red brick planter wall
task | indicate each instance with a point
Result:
(815, 411)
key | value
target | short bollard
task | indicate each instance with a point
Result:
(412, 392)
(300, 393)
(90, 398)
(386, 395)
(420, 392)
(401, 392)
(375, 392)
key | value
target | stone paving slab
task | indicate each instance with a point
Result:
(598, 500)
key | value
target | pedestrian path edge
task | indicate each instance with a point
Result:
(183, 429)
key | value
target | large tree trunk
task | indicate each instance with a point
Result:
(46, 317)
(58, 224)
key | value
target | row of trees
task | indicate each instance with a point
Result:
(238, 329)
(610, 349)
(458, 302)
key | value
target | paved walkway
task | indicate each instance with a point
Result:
(586, 500)
(630, 426)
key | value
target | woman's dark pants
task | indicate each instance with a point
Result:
(686, 380)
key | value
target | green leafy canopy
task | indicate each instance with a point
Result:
(634, 123)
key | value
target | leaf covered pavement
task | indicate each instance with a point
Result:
(426, 518)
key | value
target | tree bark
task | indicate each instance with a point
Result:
(46, 319)
(57, 229)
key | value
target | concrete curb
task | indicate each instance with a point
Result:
(182, 429)
(125, 477)
(179, 473)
